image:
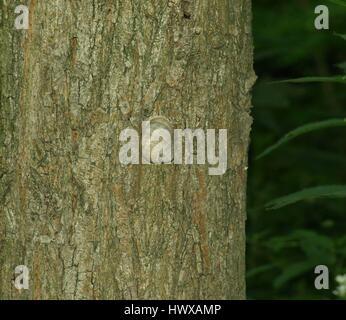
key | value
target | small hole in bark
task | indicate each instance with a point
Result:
(187, 15)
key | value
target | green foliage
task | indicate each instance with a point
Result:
(303, 130)
(313, 246)
(284, 248)
(336, 79)
(342, 36)
(339, 2)
(307, 194)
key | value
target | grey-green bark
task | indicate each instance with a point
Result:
(86, 226)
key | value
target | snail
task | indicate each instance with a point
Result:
(157, 141)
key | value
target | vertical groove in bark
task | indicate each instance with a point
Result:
(86, 226)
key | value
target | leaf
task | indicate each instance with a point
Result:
(339, 2)
(317, 247)
(332, 191)
(342, 66)
(255, 271)
(291, 272)
(342, 36)
(335, 79)
(331, 123)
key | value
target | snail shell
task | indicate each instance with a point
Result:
(161, 127)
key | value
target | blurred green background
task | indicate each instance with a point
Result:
(285, 245)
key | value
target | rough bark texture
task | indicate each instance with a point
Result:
(86, 226)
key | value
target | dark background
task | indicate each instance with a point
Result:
(285, 245)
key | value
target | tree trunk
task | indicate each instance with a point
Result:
(86, 226)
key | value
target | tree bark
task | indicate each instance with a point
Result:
(86, 226)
